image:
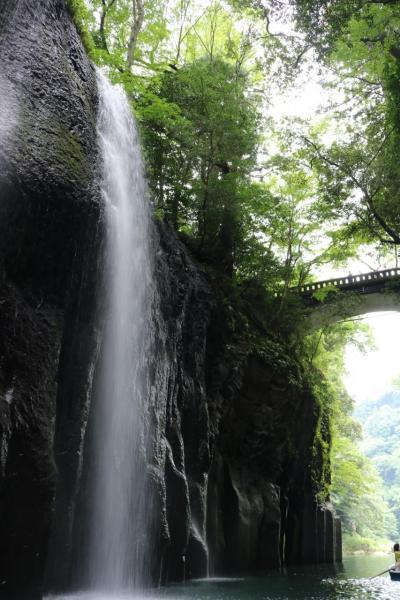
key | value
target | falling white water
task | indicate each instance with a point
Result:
(117, 544)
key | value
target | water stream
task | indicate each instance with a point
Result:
(117, 541)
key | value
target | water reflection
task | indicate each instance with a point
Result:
(348, 582)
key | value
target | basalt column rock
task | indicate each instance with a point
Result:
(182, 431)
(243, 520)
(309, 538)
(244, 502)
(262, 507)
(48, 233)
(338, 540)
(30, 338)
(313, 535)
(321, 528)
(330, 535)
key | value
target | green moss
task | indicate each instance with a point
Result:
(64, 150)
(54, 144)
(68, 150)
(275, 353)
(81, 17)
(322, 443)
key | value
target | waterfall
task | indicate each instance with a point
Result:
(117, 541)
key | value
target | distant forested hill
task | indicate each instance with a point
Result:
(381, 443)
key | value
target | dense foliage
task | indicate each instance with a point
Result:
(359, 174)
(264, 205)
(381, 443)
(358, 42)
(199, 76)
(355, 483)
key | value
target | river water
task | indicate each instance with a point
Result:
(349, 581)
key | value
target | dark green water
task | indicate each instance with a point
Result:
(348, 581)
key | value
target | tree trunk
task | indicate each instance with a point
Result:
(138, 18)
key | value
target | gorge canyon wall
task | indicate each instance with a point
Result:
(235, 447)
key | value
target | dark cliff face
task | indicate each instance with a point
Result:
(231, 450)
(237, 439)
(264, 477)
(49, 227)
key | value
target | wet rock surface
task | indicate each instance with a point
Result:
(48, 234)
(234, 441)
(230, 444)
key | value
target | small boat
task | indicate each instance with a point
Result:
(394, 575)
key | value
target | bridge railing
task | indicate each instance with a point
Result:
(350, 281)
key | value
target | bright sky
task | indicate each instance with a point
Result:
(303, 101)
(369, 376)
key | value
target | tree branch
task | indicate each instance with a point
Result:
(392, 233)
(300, 55)
(381, 145)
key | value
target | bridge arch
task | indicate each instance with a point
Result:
(330, 301)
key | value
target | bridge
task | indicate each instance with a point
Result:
(350, 296)
(366, 283)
